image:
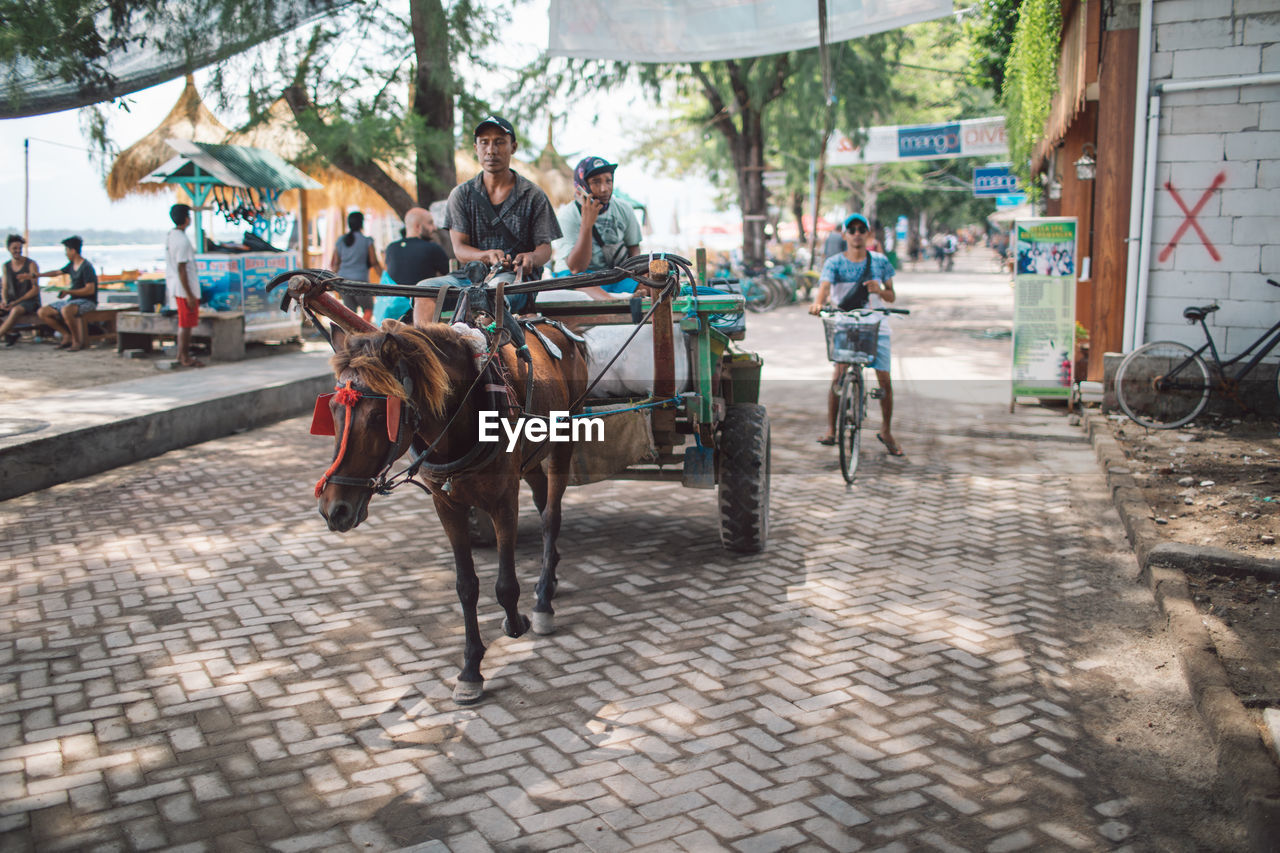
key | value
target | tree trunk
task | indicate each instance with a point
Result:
(749, 163)
(797, 210)
(871, 193)
(361, 169)
(434, 173)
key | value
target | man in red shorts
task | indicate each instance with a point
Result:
(180, 279)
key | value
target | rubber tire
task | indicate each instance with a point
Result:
(1155, 408)
(850, 412)
(743, 494)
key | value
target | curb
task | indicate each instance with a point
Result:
(1247, 772)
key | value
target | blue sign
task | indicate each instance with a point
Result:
(935, 140)
(994, 181)
(1012, 200)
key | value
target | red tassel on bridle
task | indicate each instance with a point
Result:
(348, 397)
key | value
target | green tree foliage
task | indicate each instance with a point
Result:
(375, 86)
(1031, 77)
(913, 76)
(990, 30)
(374, 89)
(738, 114)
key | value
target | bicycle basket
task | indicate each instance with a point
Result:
(851, 340)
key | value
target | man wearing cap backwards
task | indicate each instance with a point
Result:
(858, 269)
(497, 217)
(600, 231)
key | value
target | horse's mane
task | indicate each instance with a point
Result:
(373, 357)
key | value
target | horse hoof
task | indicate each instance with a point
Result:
(468, 692)
(506, 627)
(544, 623)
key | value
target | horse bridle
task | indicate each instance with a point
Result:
(402, 424)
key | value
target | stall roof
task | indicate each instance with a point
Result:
(230, 165)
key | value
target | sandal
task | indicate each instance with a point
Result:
(827, 441)
(195, 362)
(894, 449)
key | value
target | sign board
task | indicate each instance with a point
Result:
(994, 181)
(1004, 202)
(1044, 306)
(774, 179)
(977, 137)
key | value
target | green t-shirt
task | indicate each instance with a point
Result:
(618, 226)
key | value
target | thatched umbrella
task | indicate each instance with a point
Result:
(189, 119)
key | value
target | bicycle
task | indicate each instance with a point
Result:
(1165, 384)
(851, 341)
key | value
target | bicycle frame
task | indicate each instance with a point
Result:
(1271, 336)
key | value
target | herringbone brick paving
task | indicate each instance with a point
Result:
(949, 656)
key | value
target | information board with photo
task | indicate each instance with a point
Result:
(1044, 318)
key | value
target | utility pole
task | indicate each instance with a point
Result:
(26, 191)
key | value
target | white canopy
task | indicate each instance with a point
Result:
(706, 30)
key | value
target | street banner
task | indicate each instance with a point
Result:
(993, 181)
(1044, 312)
(975, 137)
(706, 30)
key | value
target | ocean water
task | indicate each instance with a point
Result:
(107, 260)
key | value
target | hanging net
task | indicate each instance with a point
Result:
(58, 56)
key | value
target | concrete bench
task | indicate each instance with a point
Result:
(222, 330)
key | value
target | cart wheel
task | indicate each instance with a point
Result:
(480, 526)
(744, 478)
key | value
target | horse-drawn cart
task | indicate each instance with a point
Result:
(688, 410)
(682, 402)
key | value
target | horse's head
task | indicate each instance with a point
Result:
(388, 381)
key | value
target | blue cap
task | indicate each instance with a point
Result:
(856, 217)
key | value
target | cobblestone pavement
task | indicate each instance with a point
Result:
(950, 655)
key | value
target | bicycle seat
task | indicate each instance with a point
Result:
(1195, 315)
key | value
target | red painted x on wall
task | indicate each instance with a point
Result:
(1190, 218)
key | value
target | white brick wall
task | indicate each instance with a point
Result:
(1232, 131)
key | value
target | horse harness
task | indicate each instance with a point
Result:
(403, 421)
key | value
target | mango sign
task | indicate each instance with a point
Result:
(977, 137)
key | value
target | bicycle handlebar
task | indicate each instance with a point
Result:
(862, 312)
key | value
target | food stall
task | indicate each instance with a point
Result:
(243, 185)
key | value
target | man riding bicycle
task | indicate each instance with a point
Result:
(857, 278)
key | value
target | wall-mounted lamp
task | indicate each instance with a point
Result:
(1087, 165)
(1055, 189)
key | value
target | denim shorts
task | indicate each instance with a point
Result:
(83, 304)
(882, 351)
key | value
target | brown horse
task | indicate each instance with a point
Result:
(403, 386)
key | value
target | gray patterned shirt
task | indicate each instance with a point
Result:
(526, 212)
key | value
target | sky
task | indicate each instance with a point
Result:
(66, 187)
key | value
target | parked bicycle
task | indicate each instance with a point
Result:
(851, 341)
(1165, 384)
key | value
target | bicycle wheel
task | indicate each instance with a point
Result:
(849, 421)
(758, 294)
(1162, 385)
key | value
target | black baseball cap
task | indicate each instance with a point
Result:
(498, 122)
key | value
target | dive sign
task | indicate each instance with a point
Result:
(975, 137)
(994, 181)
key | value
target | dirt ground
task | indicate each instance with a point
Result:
(1217, 482)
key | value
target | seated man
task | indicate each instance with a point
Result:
(600, 231)
(81, 295)
(497, 217)
(411, 259)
